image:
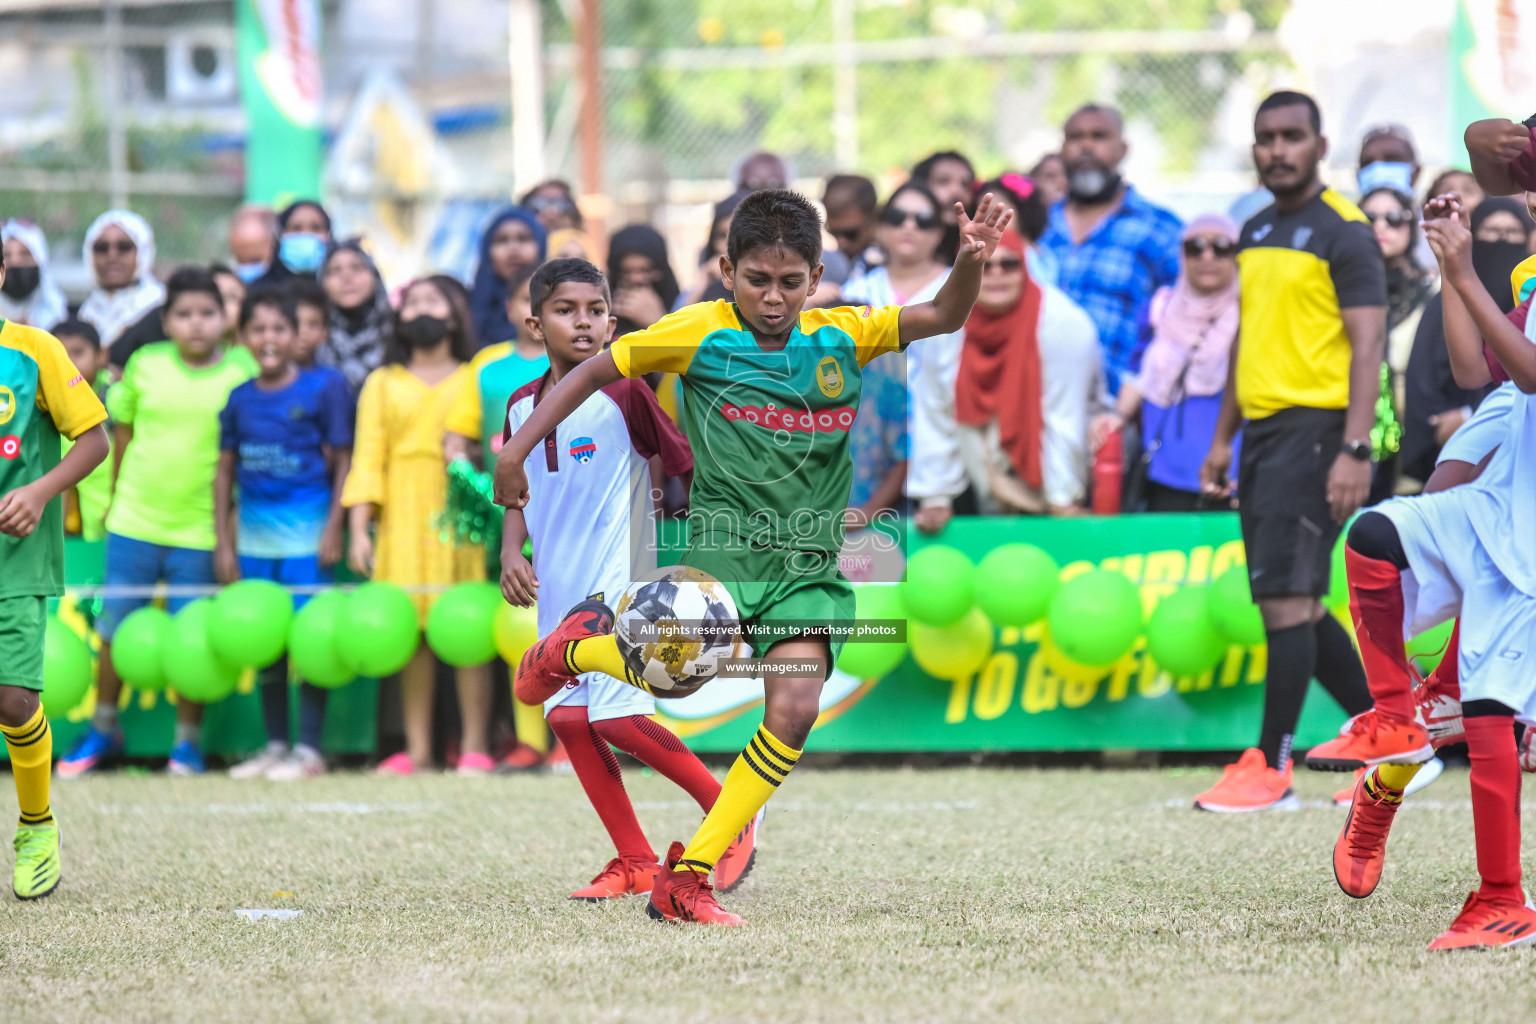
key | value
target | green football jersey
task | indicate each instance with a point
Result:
(42, 396)
(769, 430)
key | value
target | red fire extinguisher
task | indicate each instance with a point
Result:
(1108, 471)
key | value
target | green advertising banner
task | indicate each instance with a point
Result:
(1493, 54)
(281, 91)
(1017, 701)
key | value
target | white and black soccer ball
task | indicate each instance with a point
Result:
(674, 626)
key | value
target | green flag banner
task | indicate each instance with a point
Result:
(281, 91)
(1493, 65)
(1019, 700)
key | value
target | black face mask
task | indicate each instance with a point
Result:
(1494, 262)
(423, 331)
(21, 281)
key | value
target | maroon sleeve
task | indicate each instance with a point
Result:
(1516, 316)
(651, 430)
(531, 388)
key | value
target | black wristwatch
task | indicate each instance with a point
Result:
(1360, 450)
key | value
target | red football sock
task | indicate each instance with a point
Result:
(1445, 678)
(598, 769)
(1496, 805)
(659, 747)
(1376, 606)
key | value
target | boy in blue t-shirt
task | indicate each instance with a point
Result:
(286, 441)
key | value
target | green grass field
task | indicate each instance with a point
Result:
(962, 894)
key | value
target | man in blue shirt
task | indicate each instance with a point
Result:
(1113, 248)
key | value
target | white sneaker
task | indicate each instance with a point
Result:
(303, 763)
(255, 767)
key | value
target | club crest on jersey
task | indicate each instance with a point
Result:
(582, 449)
(829, 377)
(7, 404)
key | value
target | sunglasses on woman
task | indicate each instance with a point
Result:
(122, 247)
(1221, 248)
(1394, 218)
(896, 218)
(1006, 265)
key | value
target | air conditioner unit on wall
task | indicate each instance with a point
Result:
(200, 69)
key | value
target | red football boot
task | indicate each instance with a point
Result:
(737, 861)
(1361, 849)
(1440, 713)
(619, 878)
(544, 671)
(1369, 738)
(683, 894)
(1483, 923)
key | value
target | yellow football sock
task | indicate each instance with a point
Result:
(764, 764)
(1396, 776)
(601, 654)
(31, 747)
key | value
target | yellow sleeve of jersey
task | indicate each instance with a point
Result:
(670, 344)
(874, 329)
(61, 392)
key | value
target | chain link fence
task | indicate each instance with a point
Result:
(137, 102)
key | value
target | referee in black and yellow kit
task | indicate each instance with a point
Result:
(1305, 375)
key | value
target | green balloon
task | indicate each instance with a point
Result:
(461, 627)
(379, 631)
(1230, 605)
(1180, 635)
(137, 648)
(1095, 618)
(191, 666)
(940, 586)
(1429, 646)
(954, 651)
(312, 649)
(66, 668)
(1015, 584)
(248, 623)
(868, 659)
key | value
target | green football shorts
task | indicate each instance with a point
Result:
(22, 621)
(778, 589)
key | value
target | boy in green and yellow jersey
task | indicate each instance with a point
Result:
(769, 394)
(42, 401)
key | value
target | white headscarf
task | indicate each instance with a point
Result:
(46, 306)
(115, 311)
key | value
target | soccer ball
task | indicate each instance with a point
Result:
(673, 627)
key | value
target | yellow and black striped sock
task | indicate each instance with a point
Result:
(601, 654)
(757, 773)
(31, 748)
(1377, 789)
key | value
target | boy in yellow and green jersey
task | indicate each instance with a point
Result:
(43, 399)
(769, 394)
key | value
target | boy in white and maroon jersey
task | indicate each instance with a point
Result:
(592, 522)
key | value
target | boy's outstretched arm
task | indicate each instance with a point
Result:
(947, 311)
(510, 489)
(1452, 244)
(22, 508)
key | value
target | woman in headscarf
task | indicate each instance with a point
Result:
(1434, 405)
(1030, 380)
(1183, 368)
(709, 286)
(29, 295)
(644, 287)
(361, 318)
(304, 236)
(514, 241)
(120, 250)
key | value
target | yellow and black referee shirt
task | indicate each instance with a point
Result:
(1297, 271)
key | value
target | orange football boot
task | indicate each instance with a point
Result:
(1369, 739)
(737, 861)
(1361, 849)
(683, 894)
(543, 671)
(1250, 785)
(619, 878)
(1484, 923)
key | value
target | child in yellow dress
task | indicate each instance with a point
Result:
(396, 492)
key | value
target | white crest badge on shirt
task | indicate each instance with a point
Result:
(1262, 232)
(1301, 237)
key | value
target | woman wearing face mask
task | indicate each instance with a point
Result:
(1434, 404)
(361, 320)
(1409, 287)
(513, 242)
(911, 236)
(304, 237)
(644, 287)
(29, 297)
(398, 487)
(1177, 394)
(120, 250)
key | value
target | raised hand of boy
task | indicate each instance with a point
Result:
(979, 236)
(947, 311)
